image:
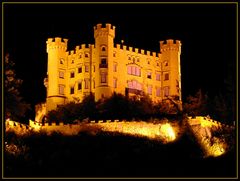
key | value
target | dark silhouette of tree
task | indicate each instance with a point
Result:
(15, 107)
(197, 105)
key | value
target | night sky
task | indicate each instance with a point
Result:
(207, 32)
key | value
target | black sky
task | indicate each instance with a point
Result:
(207, 32)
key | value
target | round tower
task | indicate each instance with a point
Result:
(56, 70)
(171, 68)
(104, 44)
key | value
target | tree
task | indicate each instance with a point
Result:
(15, 107)
(197, 105)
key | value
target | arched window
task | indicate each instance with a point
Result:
(103, 49)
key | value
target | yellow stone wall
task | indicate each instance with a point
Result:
(61, 63)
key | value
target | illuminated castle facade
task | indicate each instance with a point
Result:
(104, 68)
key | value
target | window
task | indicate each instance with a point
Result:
(80, 56)
(157, 64)
(158, 92)
(114, 54)
(150, 89)
(103, 49)
(166, 77)
(61, 61)
(132, 70)
(158, 76)
(86, 81)
(166, 91)
(72, 75)
(61, 74)
(115, 83)
(86, 55)
(72, 60)
(71, 90)
(114, 67)
(138, 60)
(86, 68)
(61, 89)
(79, 85)
(166, 63)
(148, 62)
(104, 78)
(149, 75)
(79, 69)
(134, 85)
(129, 58)
(103, 61)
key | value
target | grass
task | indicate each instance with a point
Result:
(110, 155)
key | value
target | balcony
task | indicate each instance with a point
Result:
(103, 65)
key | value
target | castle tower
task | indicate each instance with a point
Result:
(104, 44)
(171, 68)
(56, 71)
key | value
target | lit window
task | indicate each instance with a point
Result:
(72, 75)
(61, 89)
(114, 67)
(150, 89)
(79, 69)
(86, 68)
(158, 92)
(149, 75)
(132, 70)
(61, 74)
(79, 85)
(129, 70)
(158, 77)
(71, 90)
(166, 91)
(166, 77)
(115, 83)
(103, 78)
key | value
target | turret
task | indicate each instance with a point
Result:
(171, 51)
(56, 71)
(104, 44)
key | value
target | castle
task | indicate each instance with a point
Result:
(103, 68)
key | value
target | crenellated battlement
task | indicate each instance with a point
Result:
(136, 50)
(101, 30)
(170, 44)
(57, 43)
(79, 48)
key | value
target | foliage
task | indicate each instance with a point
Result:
(197, 105)
(15, 107)
(117, 106)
